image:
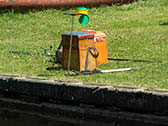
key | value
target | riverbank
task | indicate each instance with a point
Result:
(136, 31)
(85, 100)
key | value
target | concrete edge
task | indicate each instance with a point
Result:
(130, 98)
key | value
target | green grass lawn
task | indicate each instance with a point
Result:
(135, 31)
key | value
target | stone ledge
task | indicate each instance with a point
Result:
(153, 101)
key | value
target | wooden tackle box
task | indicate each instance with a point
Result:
(81, 41)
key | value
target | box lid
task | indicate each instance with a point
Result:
(98, 35)
(80, 35)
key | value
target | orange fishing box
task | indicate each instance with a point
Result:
(81, 56)
(100, 41)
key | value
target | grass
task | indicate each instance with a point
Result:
(135, 31)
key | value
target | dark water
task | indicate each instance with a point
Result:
(19, 119)
(48, 122)
(15, 118)
(32, 121)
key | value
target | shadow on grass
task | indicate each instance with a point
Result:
(54, 68)
(50, 69)
(55, 65)
(164, 24)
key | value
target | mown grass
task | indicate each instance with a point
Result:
(135, 31)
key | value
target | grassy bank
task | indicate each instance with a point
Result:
(135, 31)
